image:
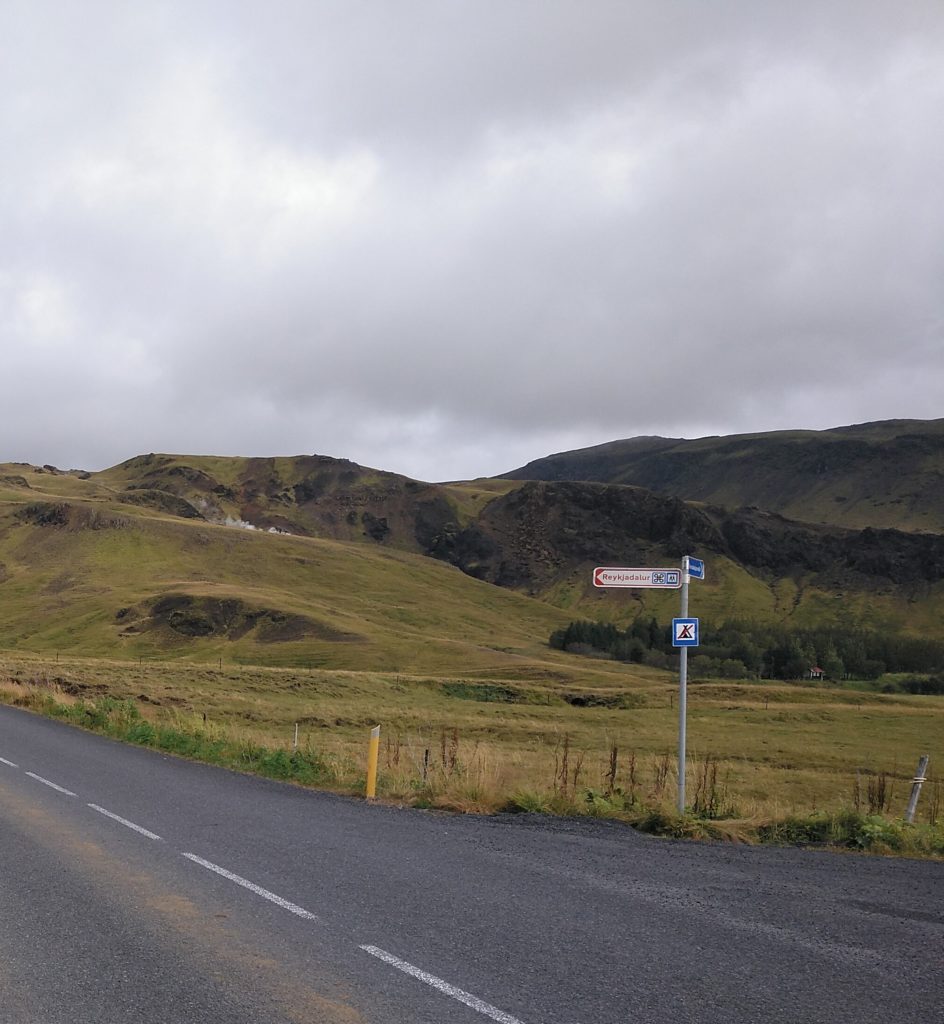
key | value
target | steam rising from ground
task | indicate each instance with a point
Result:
(242, 524)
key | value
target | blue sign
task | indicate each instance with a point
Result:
(696, 567)
(685, 632)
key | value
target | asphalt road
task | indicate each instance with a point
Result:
(146, 888)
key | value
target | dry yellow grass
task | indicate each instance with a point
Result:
(767, 749)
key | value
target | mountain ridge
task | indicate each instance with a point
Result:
(881, 474)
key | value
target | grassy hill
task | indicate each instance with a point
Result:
(316, 561)
(84, 571)
(887, 474)
(305, 495)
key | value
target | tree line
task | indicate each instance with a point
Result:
(738, 649)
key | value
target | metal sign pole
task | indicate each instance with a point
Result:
(683, 693)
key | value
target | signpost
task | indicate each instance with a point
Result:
(685, 635)
(684, 629)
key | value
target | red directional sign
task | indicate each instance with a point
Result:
(615, 576)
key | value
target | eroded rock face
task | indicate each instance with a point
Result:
(540, 532)
(44, 513)
(163, 501)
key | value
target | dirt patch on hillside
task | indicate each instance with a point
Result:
(64, 516)
(230, 618)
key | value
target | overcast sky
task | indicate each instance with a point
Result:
(445, 238)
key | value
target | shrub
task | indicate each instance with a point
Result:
(141, 732)
(528, 802)
(931, 686)
(276, 764)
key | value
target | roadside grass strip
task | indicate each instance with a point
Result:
(252, 887)
(479, 1005)
(52, 785)
(125, 822)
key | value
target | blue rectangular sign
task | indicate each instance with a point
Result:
(685, 632)
(696, 568)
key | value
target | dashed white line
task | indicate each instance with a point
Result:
(479, 1005)
(52, 785)
(252, 887)
(124, 821)
(443, 986)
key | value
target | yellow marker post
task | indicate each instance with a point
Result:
(373, 752)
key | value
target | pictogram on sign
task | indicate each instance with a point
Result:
(685, 632)
(637, 579)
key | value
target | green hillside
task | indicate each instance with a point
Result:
(316, 561)
(83, 572)
(887, 474)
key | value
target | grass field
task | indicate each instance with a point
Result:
(758, 751)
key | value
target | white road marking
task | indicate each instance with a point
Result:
(443, 986)
(3, 760)
(252, 887)
(124, 821)
(52, 785)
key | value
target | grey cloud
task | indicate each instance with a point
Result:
(448, 237)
